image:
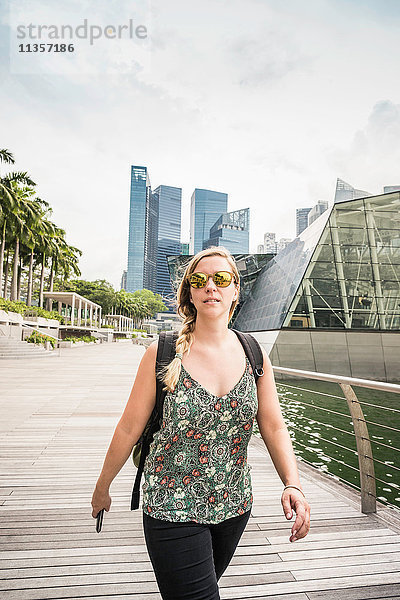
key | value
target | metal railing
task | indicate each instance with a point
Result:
(366, 460)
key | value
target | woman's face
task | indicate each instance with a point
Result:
(212, 301)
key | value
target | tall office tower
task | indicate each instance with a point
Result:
(123, 280)
(345, 191)
(317, 210)
(391, 188)
(231, 230)
(143, 229)
(260, 249)
(169, 236)
(269, 242)
(301, 219)
(205, 208)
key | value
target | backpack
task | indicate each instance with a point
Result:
(165, 354)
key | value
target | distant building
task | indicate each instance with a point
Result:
(205, 208)
(154, 232)
(231, 230)
(169, 235)
(260, 249)
(283, 242)
(143, 225)
(317, 210)
(345, 191)
(391, 188)
(123, 280)
(185, 248)
(269, 242)
(301, 219)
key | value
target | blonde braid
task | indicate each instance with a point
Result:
(185, 339)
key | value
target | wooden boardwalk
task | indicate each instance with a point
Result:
(57, 418)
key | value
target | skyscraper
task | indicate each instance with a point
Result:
(345, 191)
(301, 219)
(169, 235)
(143, 229)
(317, 210)
(270, 242)
(140, 184)
(231, 230)
(123, 280)
(154, 233)
(205, 208)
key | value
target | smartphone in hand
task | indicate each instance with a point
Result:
(99, 520)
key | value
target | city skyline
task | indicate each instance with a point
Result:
(269, 102)
(154, 233)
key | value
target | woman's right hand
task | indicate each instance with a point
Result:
(100, 499)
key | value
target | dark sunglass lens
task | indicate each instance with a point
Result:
(222, 278)
(198, 280)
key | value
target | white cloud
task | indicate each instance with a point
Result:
(261, 99)
(373, 158)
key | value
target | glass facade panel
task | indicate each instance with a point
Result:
(389, 254)
(169, 235)
(354, 271)
(231, 230)
(206, 207)
(324, 287)
(150, 247)
(272, 293)
(350, 216)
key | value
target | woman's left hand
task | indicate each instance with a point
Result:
(293, 499)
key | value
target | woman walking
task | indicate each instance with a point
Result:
(197, 492)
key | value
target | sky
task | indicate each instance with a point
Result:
(268, 101)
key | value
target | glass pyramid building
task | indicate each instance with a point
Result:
(341, 273)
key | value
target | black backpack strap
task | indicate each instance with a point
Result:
(165, 353)
(253, 352)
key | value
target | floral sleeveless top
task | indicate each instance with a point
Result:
(196, 469)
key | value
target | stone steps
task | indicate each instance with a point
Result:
(13, 349)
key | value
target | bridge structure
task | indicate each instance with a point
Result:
(56, 424)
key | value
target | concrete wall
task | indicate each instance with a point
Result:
(368, 355)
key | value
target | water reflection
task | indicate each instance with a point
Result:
(322, 433)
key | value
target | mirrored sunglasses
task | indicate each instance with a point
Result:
(220, 278)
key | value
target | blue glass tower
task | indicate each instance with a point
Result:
(137, 220)
(231, 230)
(206, 207)
(169, 236)
(143, 228)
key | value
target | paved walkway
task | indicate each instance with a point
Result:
(57, 418)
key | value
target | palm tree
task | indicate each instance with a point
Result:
(27, 211)
(67, 262)
(39, 228)
(43, 251)
(8, 201)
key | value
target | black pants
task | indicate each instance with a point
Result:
(188, 558)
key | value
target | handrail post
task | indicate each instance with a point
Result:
(364, 451)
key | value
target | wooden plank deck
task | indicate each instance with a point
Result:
(57, 418)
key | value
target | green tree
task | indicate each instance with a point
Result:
(9, 205)
(99, 291)
(154, 301)
(26, 213)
